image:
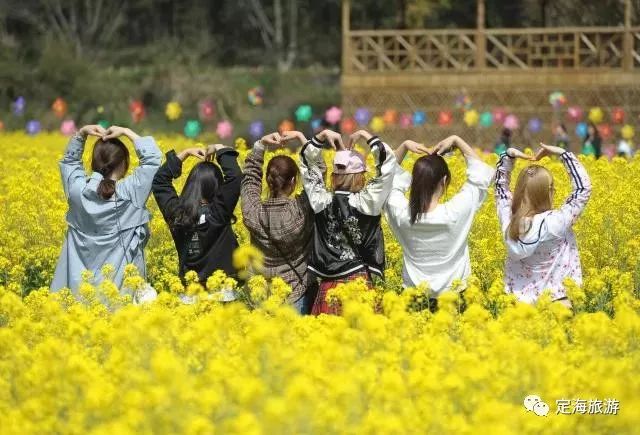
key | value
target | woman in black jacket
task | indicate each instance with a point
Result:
(200, 217)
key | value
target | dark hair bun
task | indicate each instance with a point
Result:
(106, 188)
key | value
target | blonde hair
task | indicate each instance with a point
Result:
(348, 182)
(533, 195)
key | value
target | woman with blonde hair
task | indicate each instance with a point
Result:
(541, 245)
(348, 241)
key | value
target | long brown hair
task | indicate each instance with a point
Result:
(428, 172)
(282, 173)
(109, 156)
(533, 195)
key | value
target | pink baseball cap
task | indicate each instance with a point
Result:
(348, 162)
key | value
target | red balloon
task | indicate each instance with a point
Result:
(617, 115)
(445, 117)
(499, 114)
(136, 108)
(348, 125)
(605, 131)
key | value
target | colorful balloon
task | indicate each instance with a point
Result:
(59, 107)
(390, 117)
(377, 124)
(486, 119)
(333, 115)
(224, 129)
(348, 125)
(419, 117)
(362, 116)
(463, 102)
(173, 111)
(617, 115)
(256, 96)
(471, 118)
(192, 128)
(303, 113)
(137, 110)
(605, 131)
(511, 122)
(557, 99)
(316, 125)
(445, 117)
(256, 129)
(575, 113)
(582, 129)
(33, 127)
(627, 132)
(206, 110)
(68, 127)
(18, 106)
(499, 114)
(596, 115)
(286, 125)
(1, 125)
(405, 120)
(534, 125)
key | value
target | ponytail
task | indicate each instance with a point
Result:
(106, 188)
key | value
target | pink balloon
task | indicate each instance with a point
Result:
(499, 115)
(575, 113)
(68, 127)
(405, 120)
(333, 115)
(224, 129)
(511, 122)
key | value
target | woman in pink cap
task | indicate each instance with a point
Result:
(348, 240)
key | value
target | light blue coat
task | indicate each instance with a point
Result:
(113, 231)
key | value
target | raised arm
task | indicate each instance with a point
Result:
(560, 220)
(372, 198)
(137, 186)
(71, 168)
(312, 169)
(251, 188)
(227, 158)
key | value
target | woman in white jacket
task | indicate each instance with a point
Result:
(541, 245)
(433, 235)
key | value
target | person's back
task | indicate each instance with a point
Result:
(107, 221)
(434, 235)
(541, 245)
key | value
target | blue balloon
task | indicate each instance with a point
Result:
(582, 129)
(316, 124)
(256, 129)
(419, 117)
(535, 125)
(33, 127)
(18, 106)
(362, 116)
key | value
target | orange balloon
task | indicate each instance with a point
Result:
(390, 116)
(348, 125)
(59, 107)
(445, 117)
(286, 125)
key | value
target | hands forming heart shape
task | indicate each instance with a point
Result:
(544, 151)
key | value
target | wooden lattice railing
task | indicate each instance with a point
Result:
(368, 51)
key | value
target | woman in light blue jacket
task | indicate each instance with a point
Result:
(107, 221)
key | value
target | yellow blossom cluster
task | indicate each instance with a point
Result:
(102, 364)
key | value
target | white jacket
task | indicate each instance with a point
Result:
(434, 248)
(547, 254)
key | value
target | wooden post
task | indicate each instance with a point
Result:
(481, 37)
(346, 39)
(627, 43)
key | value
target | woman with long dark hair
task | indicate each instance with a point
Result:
(592, 145)
(281, 226)
(200, 217)
(107, 217)
(433, 235)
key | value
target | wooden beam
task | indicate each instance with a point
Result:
(481, 38)
(627, 43)
(346, 35)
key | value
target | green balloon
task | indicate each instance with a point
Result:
(304, 113)
(104, 123)
(192, 128)
(486, 119)
(588, 149)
